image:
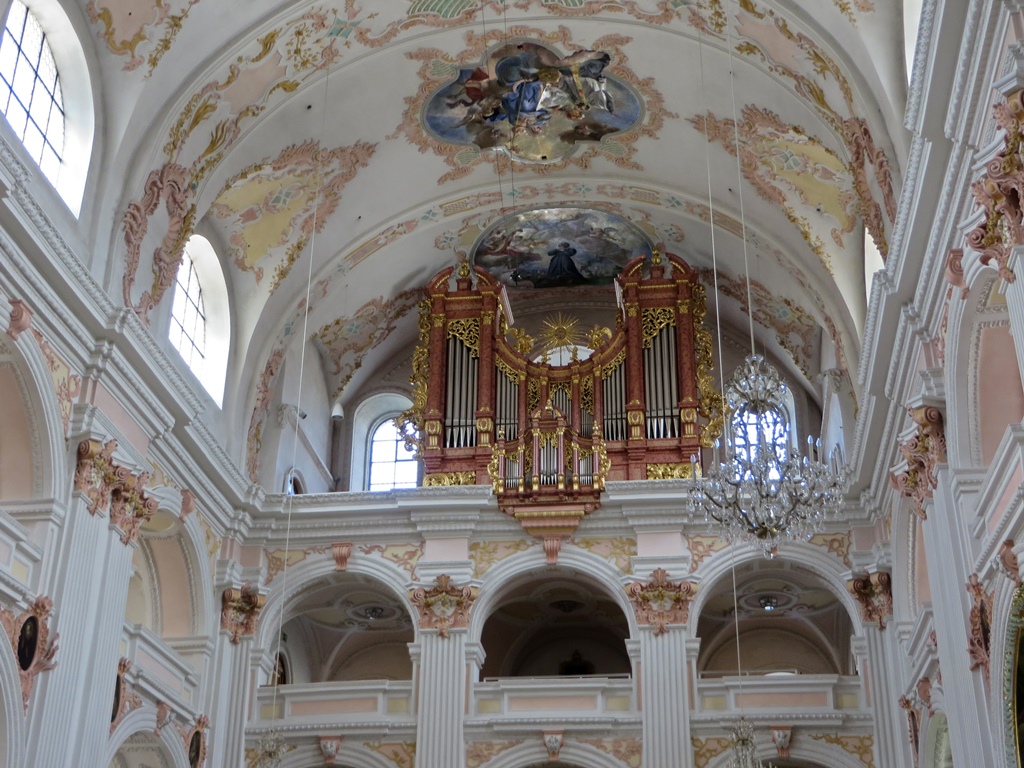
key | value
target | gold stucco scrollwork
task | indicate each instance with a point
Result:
(661, 602)
(449, 478)
(616, 361)
(682, 470)
(710, 400)
(653, 320)
(410, 421)
(466, 330)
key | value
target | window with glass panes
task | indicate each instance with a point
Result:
(188, 317)
(391, 465)
(30, 95)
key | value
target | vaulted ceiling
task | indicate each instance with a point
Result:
(303, 140)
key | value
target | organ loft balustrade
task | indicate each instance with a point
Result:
(485, 410)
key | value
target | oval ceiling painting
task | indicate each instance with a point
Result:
(559, 247)
(532, 102)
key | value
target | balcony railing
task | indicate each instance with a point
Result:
(612, 697)
(350, 701)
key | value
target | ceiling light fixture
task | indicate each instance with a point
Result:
(744, 750)
(768, 602)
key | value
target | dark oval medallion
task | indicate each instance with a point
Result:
(117, 698)
(195, 747)
(28, 642)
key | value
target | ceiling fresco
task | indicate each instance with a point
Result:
(532, 102)
(539, 107)
(559, 247)
(443, 116)
(269, 211)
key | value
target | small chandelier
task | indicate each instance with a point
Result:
(765, 491)
(744, 751)
(270, 749)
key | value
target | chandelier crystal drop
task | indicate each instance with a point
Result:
(765, 491)
(270, 750)
(744, 751)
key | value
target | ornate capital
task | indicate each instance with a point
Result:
(999, 192)
(661, 602)
(444, 606)
(29, 635)
(109, 486)
(240, 610)
(925, 449)
(874, 595)
(979, 640)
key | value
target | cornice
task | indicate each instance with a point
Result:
(918, 75)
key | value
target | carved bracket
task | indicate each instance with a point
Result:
(979, 640)
(29, 635)
(109, 486)
(1008, 562)
(782, 737)
(240, 610)
(21, 319)
(444, 606)
(661, 602)
(553, 741)
(873, 593)
(330, 748)
(922, 452)
(342, 551)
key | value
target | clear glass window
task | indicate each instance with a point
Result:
(188, 316)
(754, 431)
(30, 93)
(392, 465)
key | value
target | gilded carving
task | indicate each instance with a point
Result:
(682, 470)
(710, 401)
(29, 635)
(410, 422)
(661, 602)
(450, 478)
(466, 330)
(240, 610)
(653, 320)
(873, 593)
(444, 606)
(980, 639)
(706, 750)
(925, 449)
(837, 544)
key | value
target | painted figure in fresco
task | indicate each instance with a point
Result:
(562, 268)
(533, 102)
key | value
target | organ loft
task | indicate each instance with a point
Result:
(635, 402)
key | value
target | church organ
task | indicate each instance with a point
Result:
(488, 410)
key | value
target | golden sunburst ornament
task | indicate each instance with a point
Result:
(561, 331)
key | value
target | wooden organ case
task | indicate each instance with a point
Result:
(547, 437)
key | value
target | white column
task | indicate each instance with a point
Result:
(884, 679)
(229, 704)
(949, 560)
(665, 698)
(442, 700)
(1014, 293)
(71, 704)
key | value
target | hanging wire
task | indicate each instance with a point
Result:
(739, 178)
(302, 362)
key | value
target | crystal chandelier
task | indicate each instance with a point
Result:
(270, 749)
(744, 751)
(766, 491)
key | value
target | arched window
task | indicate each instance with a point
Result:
(188, 316)
(391, 465)
(200, 324)
(46, 94)
(30, 92)
(753, 431)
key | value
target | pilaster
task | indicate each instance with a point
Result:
(665, 694)
(442, 700)
(948, 572)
